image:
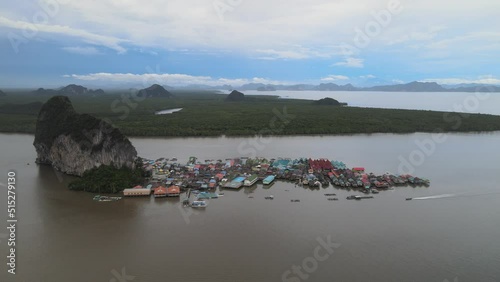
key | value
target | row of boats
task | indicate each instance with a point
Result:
(352, 179)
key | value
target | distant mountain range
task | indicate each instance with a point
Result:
(70, 90)
(414, 86)
(154, 90)
(157, 90)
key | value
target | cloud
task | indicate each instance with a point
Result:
(250, 27)
(149, 52)
(470, 38)
(31, 28)
(351, 63)
(271, 54)
(412, 37)
(82, 50)
(334, 77)
(296, 53)
(280, 30)
(368, 76)
(485, 79)
(167, 78)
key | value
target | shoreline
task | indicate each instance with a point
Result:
(282, 136)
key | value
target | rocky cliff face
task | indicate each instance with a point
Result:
(74, 143)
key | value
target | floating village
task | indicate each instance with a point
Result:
(197, 181)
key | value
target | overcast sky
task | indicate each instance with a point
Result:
(364, 42)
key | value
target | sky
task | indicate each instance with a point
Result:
(121, 43)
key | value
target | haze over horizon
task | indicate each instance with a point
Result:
(50, 43)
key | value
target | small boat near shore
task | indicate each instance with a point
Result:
(100, 198)
(357, 197)
(199, 204)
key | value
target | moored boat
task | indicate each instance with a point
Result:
(316, 183)
(268, 180)
(100, 198)
(199, 204)
(207, 195)
(235, 183)
(356, 197)
(251, 180)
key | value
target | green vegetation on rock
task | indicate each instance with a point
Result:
(108, 179)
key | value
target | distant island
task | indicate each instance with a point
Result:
(328, 102)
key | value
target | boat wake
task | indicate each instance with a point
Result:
(454, 196)
(435, 197)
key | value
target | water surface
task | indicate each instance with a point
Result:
(484, 103)
(168, 112)
(65, 236)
